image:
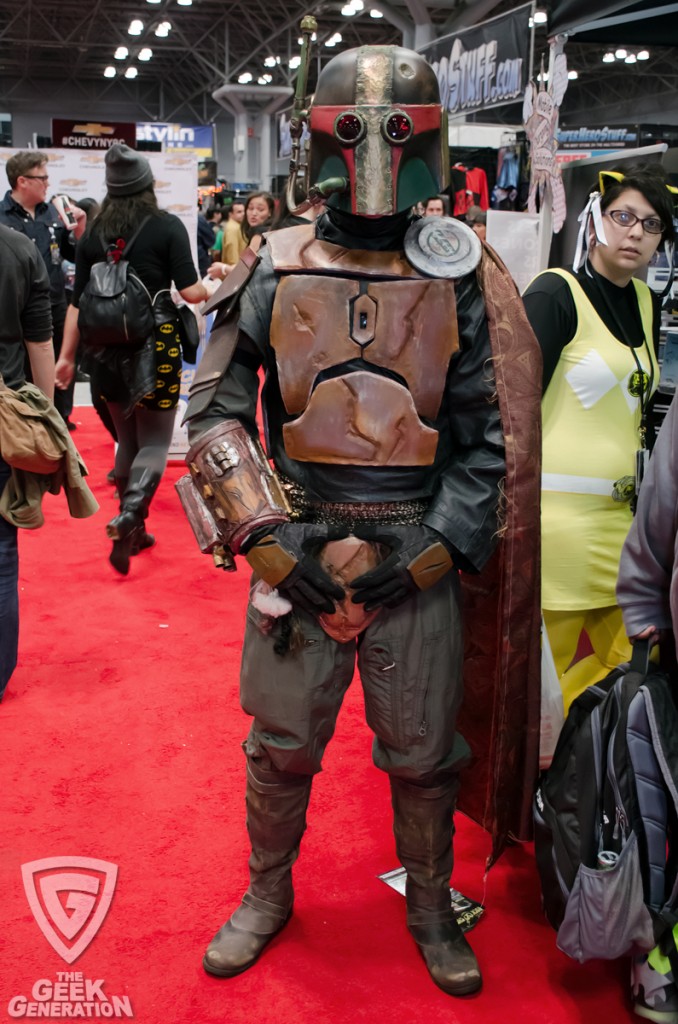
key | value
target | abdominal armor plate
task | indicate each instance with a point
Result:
(361, 420)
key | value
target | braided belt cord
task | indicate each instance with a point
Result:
(353, 513)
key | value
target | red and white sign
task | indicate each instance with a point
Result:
(69, 897)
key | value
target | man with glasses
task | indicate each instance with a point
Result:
(25, 208)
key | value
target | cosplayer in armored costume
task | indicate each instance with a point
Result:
(384, 429)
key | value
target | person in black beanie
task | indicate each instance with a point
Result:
(140, 386)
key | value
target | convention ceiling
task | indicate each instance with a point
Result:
(53, 46)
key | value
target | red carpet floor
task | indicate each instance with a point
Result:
(120, 741)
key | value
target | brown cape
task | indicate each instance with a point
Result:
(500, 712)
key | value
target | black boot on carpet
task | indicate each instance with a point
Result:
(142, 540)
(127, 530)
(276, 820)
(423, 825)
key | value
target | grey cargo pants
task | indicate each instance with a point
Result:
(410, 662)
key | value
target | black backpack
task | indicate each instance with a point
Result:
(115, 306)
(606, 817)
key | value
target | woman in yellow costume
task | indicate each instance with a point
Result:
(598, 327)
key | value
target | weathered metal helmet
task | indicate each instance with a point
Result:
(376, 120)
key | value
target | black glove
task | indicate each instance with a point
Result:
(286, 558)
(418, 558)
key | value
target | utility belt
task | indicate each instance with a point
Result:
(409, 512)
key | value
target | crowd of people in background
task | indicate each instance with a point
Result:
(225, 230)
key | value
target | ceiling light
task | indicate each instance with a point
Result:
(333, 40)
(643, 55)
(631, 59)
(543, 77)
(348, 11)
(122, 53)
(572, 75)
(131, 72)
(294, 62)
(163, 29)
(245, 77)
(153, 1)
(374, 13)
(621, 53)
(314, 37)
(608, 58)
(136, 27)
(264, 79)
(146, 53)
(109, 72)
(184, 3)
(270, 62)
(540, 16)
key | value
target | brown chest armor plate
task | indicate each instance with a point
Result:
(402, 326)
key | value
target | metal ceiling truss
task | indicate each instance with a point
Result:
(49, 47)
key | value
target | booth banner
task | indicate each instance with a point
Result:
(197, 138)
(485, 66)
(567, 156)
(600, 139)
(92, 134)
(78, 173)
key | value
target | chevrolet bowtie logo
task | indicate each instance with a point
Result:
(93, 129)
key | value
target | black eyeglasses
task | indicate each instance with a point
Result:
(36, 177)
(626, 219)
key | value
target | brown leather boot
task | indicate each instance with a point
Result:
(276, 820)
(423, 828)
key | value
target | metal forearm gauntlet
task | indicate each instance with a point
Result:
(235, 480)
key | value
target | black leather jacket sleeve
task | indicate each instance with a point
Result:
(464, 508)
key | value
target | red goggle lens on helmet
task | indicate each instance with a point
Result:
(349, 128)
(397, 127)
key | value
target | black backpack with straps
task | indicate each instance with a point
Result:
(116, 308)
(606, 817)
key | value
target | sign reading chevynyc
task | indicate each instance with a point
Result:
(484, 66)
(84, 134)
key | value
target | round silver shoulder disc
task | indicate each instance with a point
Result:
(442, 247)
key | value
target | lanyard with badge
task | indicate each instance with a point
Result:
(644, 393)
(54, 252)
(640, 385)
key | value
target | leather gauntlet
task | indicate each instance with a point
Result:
(233, 475)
